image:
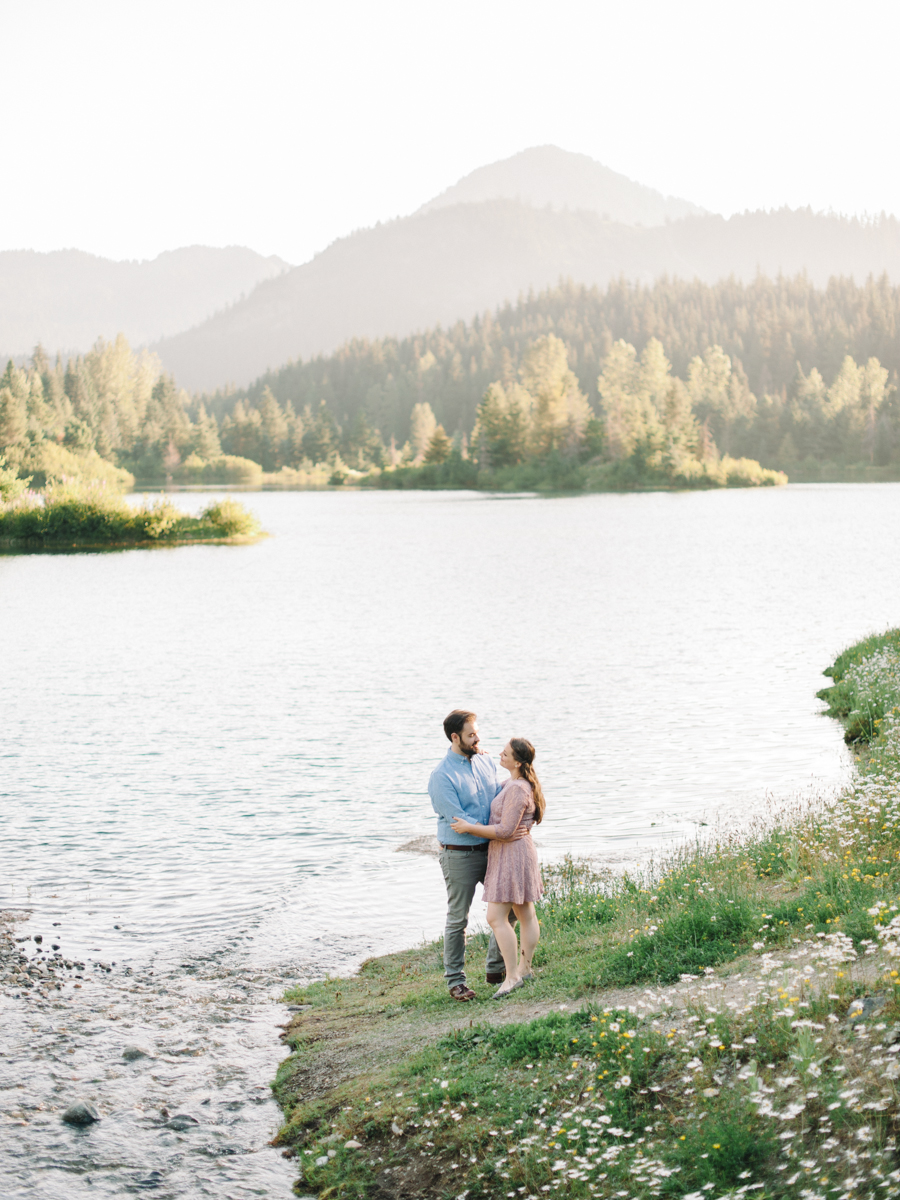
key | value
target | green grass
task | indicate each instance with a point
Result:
(623, 1103)
(96, 515)
(866, 685)
(782, 1093)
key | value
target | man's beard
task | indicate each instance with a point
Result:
(469, 751)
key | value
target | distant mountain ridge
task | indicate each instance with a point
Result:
(454, 262)
(66, 299)
(221, 317)
(547, 176)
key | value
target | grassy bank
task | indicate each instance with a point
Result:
(560, 473)
(727, 1025)
(67, 516)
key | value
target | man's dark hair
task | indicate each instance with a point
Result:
(454, 722)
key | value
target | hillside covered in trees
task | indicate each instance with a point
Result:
(778, 334)
(637, 383)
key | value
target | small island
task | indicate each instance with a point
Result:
(95, 515)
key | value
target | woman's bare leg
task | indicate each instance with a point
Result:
(498, 919)
(529, 934)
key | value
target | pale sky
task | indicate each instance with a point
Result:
(130, 127)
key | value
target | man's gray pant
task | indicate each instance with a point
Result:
(462, 870)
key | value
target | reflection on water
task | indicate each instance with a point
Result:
(210, 754)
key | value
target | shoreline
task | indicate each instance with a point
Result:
(767, 944)
(149, 489)
(12, 545)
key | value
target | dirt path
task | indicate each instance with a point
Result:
(341, 1044)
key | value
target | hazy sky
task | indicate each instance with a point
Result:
(131, 127)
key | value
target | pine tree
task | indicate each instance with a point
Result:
(273, 433)
(439, 447)
(205, 441)
(503, 425)
(561, 411)
(625, 405)
(321, 434)
(13, 412)
(422, 424)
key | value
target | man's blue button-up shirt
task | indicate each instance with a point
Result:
(462, 787)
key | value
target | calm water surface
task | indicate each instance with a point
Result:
(210, 756)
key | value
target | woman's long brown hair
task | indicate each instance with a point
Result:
(523, 753)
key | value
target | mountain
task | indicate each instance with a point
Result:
(547, 176)
(67, 299)
(453, 262)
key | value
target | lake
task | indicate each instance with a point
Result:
(212, 754)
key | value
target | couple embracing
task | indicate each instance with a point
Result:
(484, 827)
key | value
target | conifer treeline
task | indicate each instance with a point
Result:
(767, 328)
(810, 376)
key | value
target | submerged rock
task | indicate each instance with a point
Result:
(428, 844)
(152, 1180)
(182, 1121)
(130, 1053)
(81, 1113)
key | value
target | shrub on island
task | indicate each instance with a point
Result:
(50, 461)
(94, 514)
(224, 468)
(685, 473)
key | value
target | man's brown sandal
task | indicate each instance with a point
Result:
(495, 977)
(462, 993)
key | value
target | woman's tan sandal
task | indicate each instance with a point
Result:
(501, 994)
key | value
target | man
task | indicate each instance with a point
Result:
(463, 785)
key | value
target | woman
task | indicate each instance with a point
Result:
(513, 878)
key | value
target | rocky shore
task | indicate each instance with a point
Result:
(35, 963)
(116, 1077)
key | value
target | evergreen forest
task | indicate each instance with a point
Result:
(635, 384)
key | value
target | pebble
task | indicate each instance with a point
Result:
(41, 970)
(81, 1113)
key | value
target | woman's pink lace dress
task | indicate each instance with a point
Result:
(513, 875)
